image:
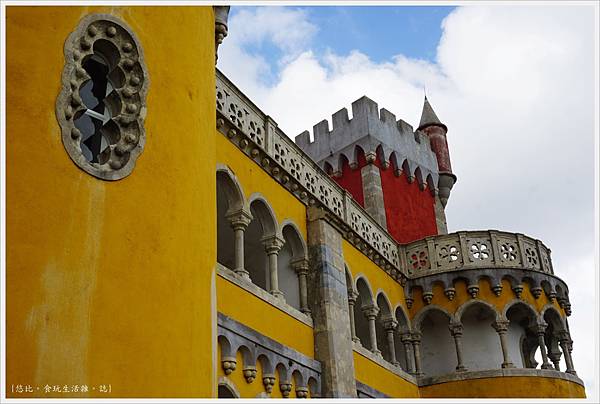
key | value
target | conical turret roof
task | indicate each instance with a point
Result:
(428, 117)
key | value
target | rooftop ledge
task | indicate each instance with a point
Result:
(258, 136)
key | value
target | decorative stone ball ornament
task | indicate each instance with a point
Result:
(102, 104)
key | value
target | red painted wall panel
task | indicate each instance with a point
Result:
(410, 212)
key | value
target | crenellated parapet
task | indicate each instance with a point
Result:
(378, 134)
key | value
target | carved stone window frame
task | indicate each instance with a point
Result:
(130, 119)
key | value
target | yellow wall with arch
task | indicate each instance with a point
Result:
(102, 276)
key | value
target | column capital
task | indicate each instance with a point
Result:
(406, 338)
(501, 326)
(416, 337)
(352, 296)
(456, 329)
(239, 219)
(300, 265)
(371, 311)
(564, 337)
(539, 328)
(272, 244)
(389, 324)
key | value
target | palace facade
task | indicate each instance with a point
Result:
(167, 246)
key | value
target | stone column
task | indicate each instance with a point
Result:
(352, 296)
(390, 325)
(440, 215)
(566, 344)
(416, 342)
(301, 268)
(373, 192)
(273, 245)
(371, 313)
(456, 329)
(328, 300)
(540, 330)
(501, 327)
(239, 222)
(408, 352)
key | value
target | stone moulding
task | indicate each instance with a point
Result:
(105, 34)
(257, 135)
(234, 336)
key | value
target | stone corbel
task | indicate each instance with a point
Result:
(221, 16)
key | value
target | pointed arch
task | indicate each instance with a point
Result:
(228, 184)
(471, 303)
(262, 211)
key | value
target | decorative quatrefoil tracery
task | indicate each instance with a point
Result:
(101, 107)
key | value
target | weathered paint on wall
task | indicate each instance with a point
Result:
(373, 375)
(264, 318)
(102, 276)
(505, 387)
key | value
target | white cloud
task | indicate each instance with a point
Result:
(514, 84)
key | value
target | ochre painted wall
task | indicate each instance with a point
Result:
(263, 317)
(253, 179)
(110, 282)
(373, 375)
(505, 387)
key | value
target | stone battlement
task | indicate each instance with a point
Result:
(371, 129)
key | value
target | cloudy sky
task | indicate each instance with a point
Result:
(514, 84)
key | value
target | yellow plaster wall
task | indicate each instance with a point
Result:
(377, 278)
(110, 282)
(381, 379)
(253, 179)
(505, 387)
(266, 319)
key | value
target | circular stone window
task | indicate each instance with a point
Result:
(101, 107)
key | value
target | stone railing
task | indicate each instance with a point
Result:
(296, 171)
(259, 137)
(475, 249)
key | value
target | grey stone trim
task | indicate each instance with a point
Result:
(262, 294)
(440, 216)
(396, 370)
(124, 148)
(371, 129)
(274, 356)
(517, 277)
(366, 391)
(495, 373)
(476, 249)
